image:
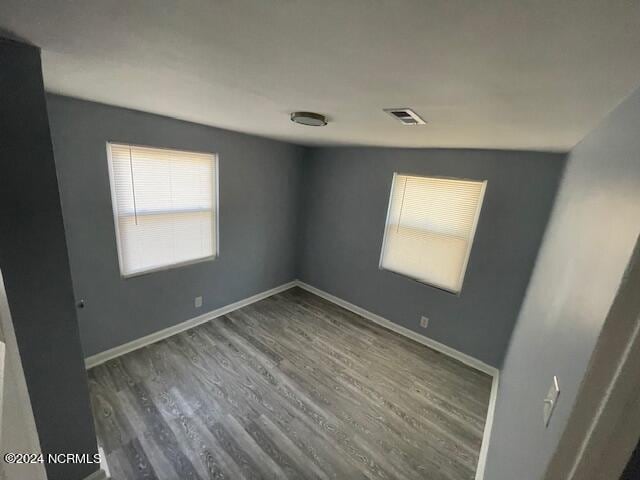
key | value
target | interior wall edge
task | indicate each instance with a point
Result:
(585, 253)
(35, 266)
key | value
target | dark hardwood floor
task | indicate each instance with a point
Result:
(289, 387)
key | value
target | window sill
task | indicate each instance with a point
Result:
(168, 267)
(422, 282)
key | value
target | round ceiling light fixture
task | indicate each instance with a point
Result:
(310, 119)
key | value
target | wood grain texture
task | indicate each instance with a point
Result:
(290, 387)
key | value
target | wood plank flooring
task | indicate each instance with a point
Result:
(290, 387)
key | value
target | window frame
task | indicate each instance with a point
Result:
(215, 211)
(472, 235)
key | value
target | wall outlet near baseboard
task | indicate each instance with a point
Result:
(197, 302)
(424, 322)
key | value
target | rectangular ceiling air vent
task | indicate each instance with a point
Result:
(406, 116)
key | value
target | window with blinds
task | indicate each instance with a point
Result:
(164, 206)
(430, 227)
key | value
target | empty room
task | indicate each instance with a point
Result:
(294, 239)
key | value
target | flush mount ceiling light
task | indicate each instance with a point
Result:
(309, 118)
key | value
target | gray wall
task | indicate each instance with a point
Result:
(34, 263)
(258, 200)
(344, 205)
(587, 247)
(290, 212)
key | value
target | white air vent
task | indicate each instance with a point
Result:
(406, 116)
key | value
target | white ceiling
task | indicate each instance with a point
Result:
(485, 73)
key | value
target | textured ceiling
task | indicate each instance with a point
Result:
(489, 74)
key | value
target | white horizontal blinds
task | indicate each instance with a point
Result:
(430, 228)
(164, 206)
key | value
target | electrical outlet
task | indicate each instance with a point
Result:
(198, 302)
(424, 322)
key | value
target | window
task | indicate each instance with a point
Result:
(164, 206)
(430, 228)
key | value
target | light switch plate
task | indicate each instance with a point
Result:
(551, 400)
(198, 302)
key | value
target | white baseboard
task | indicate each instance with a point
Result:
(488, 425)
(103, 462)
(451, 352)
(98, 475)
(115, 352)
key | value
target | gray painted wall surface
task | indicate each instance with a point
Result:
(34, 263)
(258, 200)
(587, 247)
(344, 204)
